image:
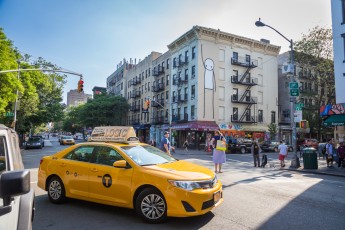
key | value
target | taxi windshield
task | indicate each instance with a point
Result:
(146, 155)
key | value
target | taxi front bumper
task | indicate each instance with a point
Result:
(182, 203)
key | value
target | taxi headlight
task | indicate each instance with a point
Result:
(186, 185)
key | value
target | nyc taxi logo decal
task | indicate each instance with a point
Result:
(106, 180)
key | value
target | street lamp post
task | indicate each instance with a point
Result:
(295, 162)
(16, 102)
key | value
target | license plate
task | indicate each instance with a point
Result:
(217, 196)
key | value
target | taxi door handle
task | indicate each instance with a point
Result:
(94, 170)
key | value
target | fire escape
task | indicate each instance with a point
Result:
(245, 80)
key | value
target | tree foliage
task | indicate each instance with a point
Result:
(103, 110)
(273, 129)
(39, 93)
(314, 52)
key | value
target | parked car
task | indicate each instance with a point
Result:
(16, 196)
(242, 145)
(270, 146)
(67, 140)
(42, 138)
(34, 143)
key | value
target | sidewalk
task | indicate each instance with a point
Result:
(273, 158)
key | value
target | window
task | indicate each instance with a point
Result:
(168, 78)
(273, 117)
(247, 59)
(186, 56)
(235, 94)
(186, 74)
(192, 112)
(260, 115)
(193, 92)
(168, 63)
(235, 114)
(167, 95)
(248, 114)
(107, 156)
(83, 153)
(148, 86)
(286, 113)
(174, 62)
(3, 154)
(193, 71)
(193, 52)
(235, 56)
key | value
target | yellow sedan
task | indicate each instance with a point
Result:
(67, 140)
(121, 171)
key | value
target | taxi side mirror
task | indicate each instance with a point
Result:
(121, 164)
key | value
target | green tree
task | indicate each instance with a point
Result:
(314, 52)
(273, 129)
(39, 94)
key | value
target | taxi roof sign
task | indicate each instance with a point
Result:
(121, 134)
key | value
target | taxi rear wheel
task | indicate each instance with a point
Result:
(56, 190)
(151, 206)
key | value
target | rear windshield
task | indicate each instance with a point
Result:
(34, 139)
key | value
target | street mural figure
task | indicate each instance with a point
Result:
(209, 79)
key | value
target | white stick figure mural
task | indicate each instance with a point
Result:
(209, 79)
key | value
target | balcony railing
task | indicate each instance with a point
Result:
(134, 108)
(242, 61)
(243, 99)
(182, 97)
(180, 79)
(159, 120)
(158, 103)
(180, 118)
(158, 71)
(247, 119)
(247, 81)
(158, 87)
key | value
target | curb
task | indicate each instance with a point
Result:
(314, 172)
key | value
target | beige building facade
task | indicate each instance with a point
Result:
(74, 98)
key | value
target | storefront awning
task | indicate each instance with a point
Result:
(335, 120)
(194, 125)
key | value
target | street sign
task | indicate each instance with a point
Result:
(294, 92)
(300, 105)
(293, 85)
(298, 108)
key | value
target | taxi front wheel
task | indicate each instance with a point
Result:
(56, 190)
(151, 206)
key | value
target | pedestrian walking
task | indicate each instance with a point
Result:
(218, 151)
(185, 145)
(256, 153)
(341, 154)
(283, 152)
(165, 144)
(329, 154)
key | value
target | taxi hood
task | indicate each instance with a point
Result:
(182, 170)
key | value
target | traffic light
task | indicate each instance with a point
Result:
(80, 85)
(146, 105)
(304, 124)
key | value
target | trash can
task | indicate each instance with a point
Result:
(310, 158)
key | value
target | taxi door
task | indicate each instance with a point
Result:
(74, 169)
(108, 183)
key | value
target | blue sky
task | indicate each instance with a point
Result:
(92, 36)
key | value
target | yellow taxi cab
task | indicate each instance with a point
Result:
(114, 168)
(67, 140)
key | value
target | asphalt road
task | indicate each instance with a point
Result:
(254, 198)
